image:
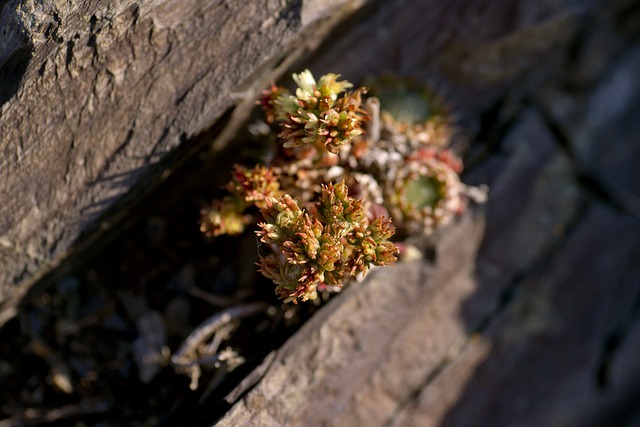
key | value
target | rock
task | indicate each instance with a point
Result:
(150, 349)
(599, 112)
(538, 361)
(605, 122)
(534, 198)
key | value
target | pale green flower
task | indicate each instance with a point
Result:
(330, 86)
(306, 84)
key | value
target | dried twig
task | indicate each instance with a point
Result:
(195, 353)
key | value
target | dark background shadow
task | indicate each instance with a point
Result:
(558, 296)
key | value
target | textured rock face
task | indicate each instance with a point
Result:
(95, 93)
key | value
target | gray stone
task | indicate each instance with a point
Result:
(538, 361)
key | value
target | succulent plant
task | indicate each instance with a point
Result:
(424, 195)
(326, 244)
(320, 116)
(322, 233)
(249, 187)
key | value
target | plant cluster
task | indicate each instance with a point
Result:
(340, 168)
(324, 245)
